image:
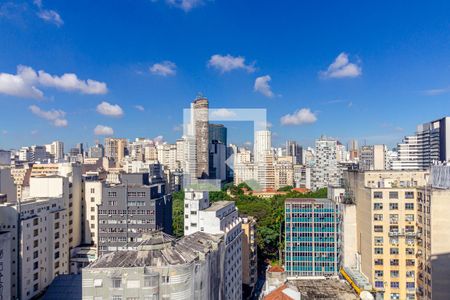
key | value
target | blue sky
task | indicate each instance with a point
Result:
(369, 71)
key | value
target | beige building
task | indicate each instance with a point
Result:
(115, 148)
(21, 176)
(386, 214)
(433, 253)
(249, 254)
(284, 174)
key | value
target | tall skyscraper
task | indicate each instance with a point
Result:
(199, 109)
(262, 145)
(218, 132)
(430, 143)
(294, 150)
(326, 171)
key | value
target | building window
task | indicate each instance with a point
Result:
(410, 274)
(394, 251)
(116, 283)
(409, 195)
(409, 218)
(151, 281)
(378, 195)
(378, 206)
(394, 262)
(378, 250)
(379, 284)
(393, 206)
(395, 274)
(378, 228)
(393, 195)
(378, 217)
(395, 296)
(116, 297)
(92, 190)
(378, 240)
(409, 206)
(378, 262)
(395, 284)
(378, 273)
(112, 194)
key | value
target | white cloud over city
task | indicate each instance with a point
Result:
(56, 117)
(227, 63)
(299, 117)
(342, 68)
(27, 83)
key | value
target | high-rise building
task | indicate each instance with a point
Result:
(220, 217)
(128, 210)
(262, 145)
(39, 230)
(56, 150)
(294, 150)
(249, 255)
(7, 185)
(115, 148)
(430, 143)
(218, 132)
(97, 151)
(326, 170)
(217, 156)
(433, 236)
(312, 242)
(386, 230)
(200, 122)
(5, 157)
(374, 157)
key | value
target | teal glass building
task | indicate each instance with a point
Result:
(311, 237)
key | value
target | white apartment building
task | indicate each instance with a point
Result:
(326, 170)
(39, 226)
(72, 172)
(56, 150)
(262, 145)
(92, 199)
(218, 217)
(430, 143)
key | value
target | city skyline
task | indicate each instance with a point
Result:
(133, 66)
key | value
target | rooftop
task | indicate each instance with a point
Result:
(324, 289)
(219, 205)
(67, 287)
(169, 252)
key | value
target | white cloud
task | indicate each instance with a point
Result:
(23, 84)
(108, 109)
(56, 117)
(164, 68)
(227, 63)
(70, 82)
(341, 68)
(301, 116)
(185, 5)
(103, 130)
(262, 86)
(26, 81)
(222, 113)
(139, 107)
(48, 15)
